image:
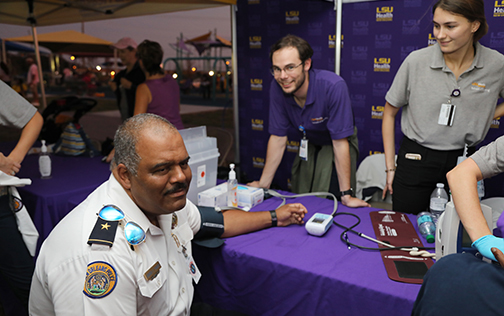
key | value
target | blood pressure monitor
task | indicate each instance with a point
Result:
(318, 224)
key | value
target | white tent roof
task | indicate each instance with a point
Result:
(54, 12)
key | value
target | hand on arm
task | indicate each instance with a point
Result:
(274, 154)
(463, 185)
(388, 134)
(341, 150)
(112, 85)
(125, 83)
(237, 222)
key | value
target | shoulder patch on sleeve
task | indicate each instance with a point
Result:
(101, 279)
(103, 233)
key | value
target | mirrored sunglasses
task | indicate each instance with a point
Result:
(133, 233)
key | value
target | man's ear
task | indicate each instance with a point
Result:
(123, 176)
(307, 64)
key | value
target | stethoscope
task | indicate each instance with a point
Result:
(412, 251)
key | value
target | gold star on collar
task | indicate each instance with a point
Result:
(105, 226)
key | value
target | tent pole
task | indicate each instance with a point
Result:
(39, 65)
(4, 53)
(234, 63)
(337, 40)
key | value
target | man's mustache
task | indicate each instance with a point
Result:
(178, 186)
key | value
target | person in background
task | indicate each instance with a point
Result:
(5, 73)
(316, 101)
(90, 265)
(125, 82)
(448, 93)
(463, 284)
(16, 266)
(160, 93)
(32, 80)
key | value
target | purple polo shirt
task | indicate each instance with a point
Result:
(327, 113)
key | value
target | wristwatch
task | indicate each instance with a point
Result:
(347, 192)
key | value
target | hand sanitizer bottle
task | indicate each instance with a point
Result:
(232, 187)
(44, 162)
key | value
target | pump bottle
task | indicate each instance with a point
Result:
(44, 162)
(232, 187)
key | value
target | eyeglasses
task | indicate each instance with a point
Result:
(134, 234)
(289, 69)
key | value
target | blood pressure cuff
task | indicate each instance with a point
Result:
(212, 227)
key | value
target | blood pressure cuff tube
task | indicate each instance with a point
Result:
(212, 227)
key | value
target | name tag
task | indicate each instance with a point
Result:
(447, 114)
(303, 149)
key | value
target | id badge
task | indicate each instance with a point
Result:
(447, 114)
(303, 149)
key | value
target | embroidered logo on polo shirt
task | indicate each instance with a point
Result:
(101, 279)
(318, 120)
(479, 86)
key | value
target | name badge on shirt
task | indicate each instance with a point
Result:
(447, 114)
(303, 149)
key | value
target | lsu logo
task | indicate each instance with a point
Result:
(384, 14)
(258, 162)
(495, 123)
(431, 40)
(100, 280)
(256, 84)
(498, 9)
(374, 152)
(385, 10)
(381, 65)
(382, 60)
(377, 112)
(291, 17)
(332, 41)
(257, 124)
(255, 42)
(292, 146)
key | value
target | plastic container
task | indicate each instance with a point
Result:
(203, 163)
(438, 201)
(232, 187)
(44, 162)
(426, 226)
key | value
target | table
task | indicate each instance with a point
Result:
(47, 199)
(285, 271)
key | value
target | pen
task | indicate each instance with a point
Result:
(347, 243)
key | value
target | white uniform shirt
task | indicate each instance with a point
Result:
(65, 258)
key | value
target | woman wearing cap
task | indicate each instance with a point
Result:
(448, 93)
(160, 93)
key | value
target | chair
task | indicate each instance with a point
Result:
(371, 178)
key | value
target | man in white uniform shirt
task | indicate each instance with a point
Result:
(88, 265)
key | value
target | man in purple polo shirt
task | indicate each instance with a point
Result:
(317, 103)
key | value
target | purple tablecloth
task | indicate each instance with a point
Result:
(286, 271)
(47, 199)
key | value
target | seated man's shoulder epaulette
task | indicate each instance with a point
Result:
(103, 232)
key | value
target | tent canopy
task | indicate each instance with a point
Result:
(54, 12)
(71, 42)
